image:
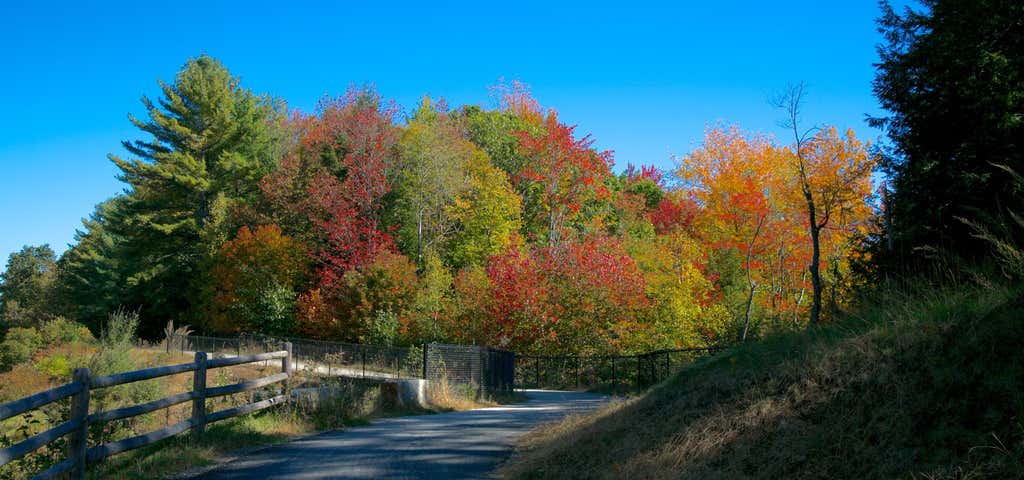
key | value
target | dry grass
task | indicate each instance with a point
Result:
(446, 396)
(30, 378)
(921, 385)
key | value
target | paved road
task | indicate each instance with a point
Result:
(448, 445)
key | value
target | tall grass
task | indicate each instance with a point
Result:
(916, 382)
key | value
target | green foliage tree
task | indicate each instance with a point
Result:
(28, 287)
(951, 76)
(450, 199)
(430, 303)
(92, 269)
(212, 140)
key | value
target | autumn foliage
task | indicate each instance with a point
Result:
(503, 226)
(254, 281)
(543, 248)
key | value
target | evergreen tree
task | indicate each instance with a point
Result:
(952, 76)
(92, 271)
(211, 143)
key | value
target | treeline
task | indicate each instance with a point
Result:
(505, 226)
(501, 226)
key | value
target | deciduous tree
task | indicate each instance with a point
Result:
(566, 172)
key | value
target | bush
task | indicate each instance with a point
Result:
(18, 346)
(60, 331)
(57, 366)
(114, 356)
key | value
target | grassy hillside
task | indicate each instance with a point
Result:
(918, 385)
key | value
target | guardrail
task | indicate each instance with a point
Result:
(80, 455)
(489, 369)
(612, 371)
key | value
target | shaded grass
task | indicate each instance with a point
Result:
(913, 384)
(180, 453)
(352, 402)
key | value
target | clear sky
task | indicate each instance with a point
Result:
(644, 78)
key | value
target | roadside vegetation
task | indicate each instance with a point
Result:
(902, 387)
(920, 375)
(345, 402)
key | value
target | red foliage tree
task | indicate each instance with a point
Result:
(336, 177)
(566, 171)
(673, 214)
(650, 172)
(578, 297)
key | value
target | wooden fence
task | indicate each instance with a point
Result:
(80, 455)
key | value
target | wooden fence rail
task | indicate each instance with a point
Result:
(80, 455)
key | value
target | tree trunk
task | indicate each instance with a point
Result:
(746, 319)
(815, 273)
(750, 281)
(799, 300)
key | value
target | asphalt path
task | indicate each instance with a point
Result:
(467, 444)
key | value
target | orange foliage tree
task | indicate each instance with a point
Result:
(254, 279)
(739, 181)
(833, 174)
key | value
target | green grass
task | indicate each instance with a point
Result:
(179, 453)
(914, 384)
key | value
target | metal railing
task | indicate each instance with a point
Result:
(487, 368)
(609, 371)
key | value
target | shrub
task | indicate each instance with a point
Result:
(60, 331)
(55, 366)
(18, 346)
(384, 329)
(114, 356)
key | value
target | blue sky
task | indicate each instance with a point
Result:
(644, 78)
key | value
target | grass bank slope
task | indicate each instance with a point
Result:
(916, 385)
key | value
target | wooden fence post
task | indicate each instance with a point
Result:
(199, 401)
(536, 373)
(78, 440)
(364, 363)
(426, 348)
(286, 367)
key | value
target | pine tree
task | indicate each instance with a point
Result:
(211, 143)
(951, 75)
(91, 270)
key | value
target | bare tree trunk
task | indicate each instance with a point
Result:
(750, 281)
(419, 236)
(799, 300)
(746, 318)
(790, 102)
(815, 271)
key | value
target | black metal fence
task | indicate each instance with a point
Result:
(486, 368)
(602, 371)
(489, 368)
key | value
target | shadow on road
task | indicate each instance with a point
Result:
(465, 444)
